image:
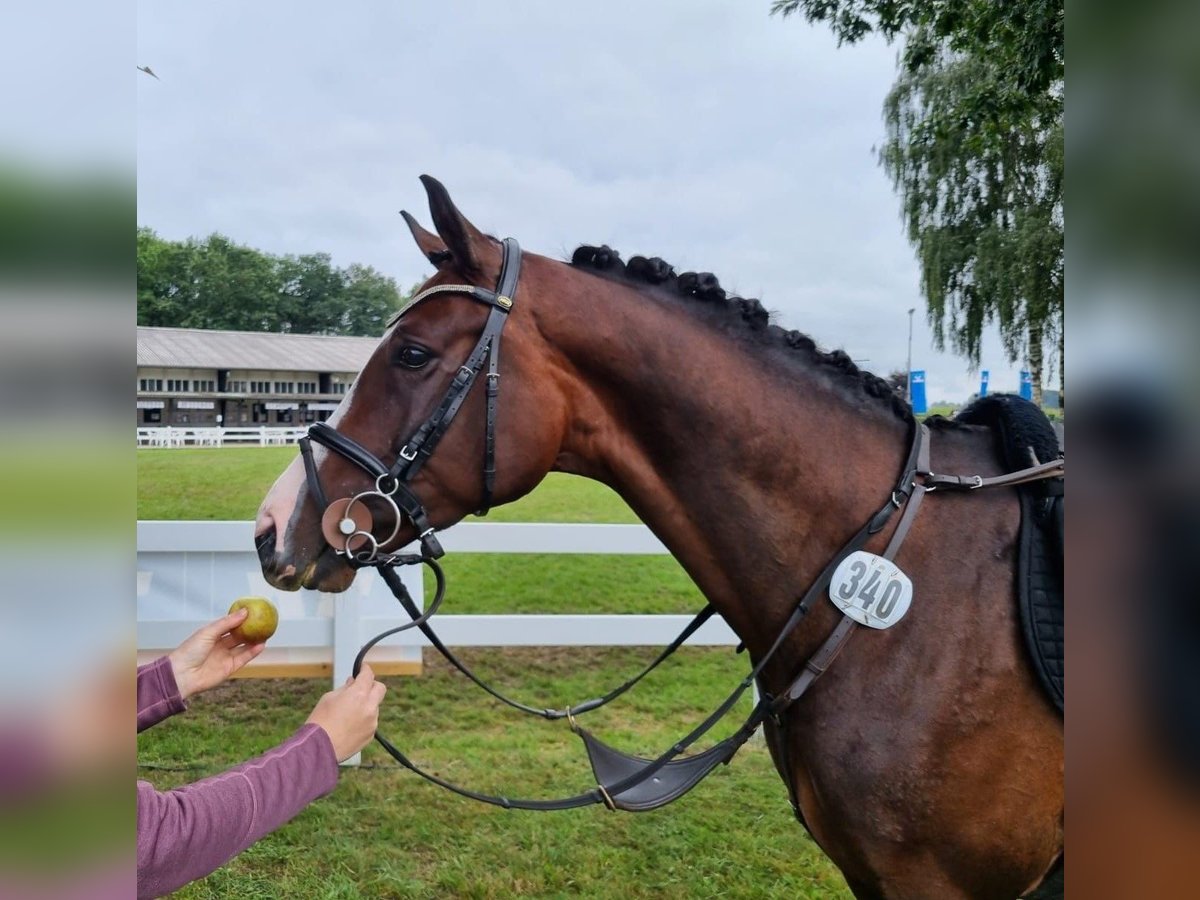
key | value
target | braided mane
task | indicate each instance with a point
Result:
(749, 313)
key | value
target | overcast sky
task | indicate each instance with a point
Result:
(708, 133)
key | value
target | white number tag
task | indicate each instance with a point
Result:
(871, 590)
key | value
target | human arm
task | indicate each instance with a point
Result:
(186, 833)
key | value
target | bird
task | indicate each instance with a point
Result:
(149, 72)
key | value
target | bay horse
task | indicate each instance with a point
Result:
(927, 762)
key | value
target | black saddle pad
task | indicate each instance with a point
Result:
(1024, 436)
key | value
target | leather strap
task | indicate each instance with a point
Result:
(819, 662)
(310, 474)
(420, 446)
(1056, 468)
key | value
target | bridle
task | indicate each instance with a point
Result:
(392, 483)
(622, 781)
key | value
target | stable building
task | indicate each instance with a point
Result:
(193, 377)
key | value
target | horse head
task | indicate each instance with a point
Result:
(423, 356)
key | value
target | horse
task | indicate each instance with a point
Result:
(927, 762)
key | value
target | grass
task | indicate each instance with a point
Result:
(385, 834)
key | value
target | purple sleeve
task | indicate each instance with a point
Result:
(157, 694)
(191, 831)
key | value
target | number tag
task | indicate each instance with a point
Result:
(871, 590)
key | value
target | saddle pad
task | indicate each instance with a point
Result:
(1021, 429)
(1040, 588)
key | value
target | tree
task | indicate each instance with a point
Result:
(217, 283)
(898, 379)
(974, 148)
(311, 296)
(982, 205)
(370, 300)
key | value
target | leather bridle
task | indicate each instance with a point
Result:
(622, 781)
(392, 483)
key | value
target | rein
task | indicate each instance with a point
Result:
(622, 781)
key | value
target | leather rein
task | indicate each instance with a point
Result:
(622, 781)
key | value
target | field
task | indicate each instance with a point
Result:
(385, 833)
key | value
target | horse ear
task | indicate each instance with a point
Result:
(431, 245)
(466, 243)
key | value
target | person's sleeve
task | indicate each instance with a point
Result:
(191, 831)
(157, 693)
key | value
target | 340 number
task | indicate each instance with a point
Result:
(866, 592)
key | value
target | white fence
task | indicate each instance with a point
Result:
(213, 436)
(189, 572)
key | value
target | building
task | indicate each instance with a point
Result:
(193, 377)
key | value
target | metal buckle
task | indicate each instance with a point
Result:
(978, 483)
(506, 302)
(608, 800)
(406, 454)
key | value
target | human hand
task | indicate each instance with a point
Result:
(350, 713)
(211, 655)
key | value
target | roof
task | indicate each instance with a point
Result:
(197, 348)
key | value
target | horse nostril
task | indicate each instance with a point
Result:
(265, 544)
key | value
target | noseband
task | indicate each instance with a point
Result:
(349, 521)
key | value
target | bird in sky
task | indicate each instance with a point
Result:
(149, 71)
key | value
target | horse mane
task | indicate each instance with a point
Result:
(748, 313)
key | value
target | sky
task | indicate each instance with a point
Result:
(709, 133)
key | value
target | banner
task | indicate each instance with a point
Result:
(1026, 385)
(916, 381)
(983, 383)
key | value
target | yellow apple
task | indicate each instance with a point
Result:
(260, 623)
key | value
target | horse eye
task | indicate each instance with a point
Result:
(413, 356)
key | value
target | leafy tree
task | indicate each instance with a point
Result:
(370, 300)
(217, 283)
(975, 149)
(312, 295)
(982, 205)
(898, 379)
(1023, 38)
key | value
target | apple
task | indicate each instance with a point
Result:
(261, 621)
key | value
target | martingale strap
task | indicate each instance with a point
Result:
(819, 662)
(634, 783)
(401, 593)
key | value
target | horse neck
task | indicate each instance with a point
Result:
(752, 467)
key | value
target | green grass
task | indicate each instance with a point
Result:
(212, 483)
(941, 409)
(384, 833)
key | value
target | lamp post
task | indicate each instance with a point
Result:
(908, 369)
